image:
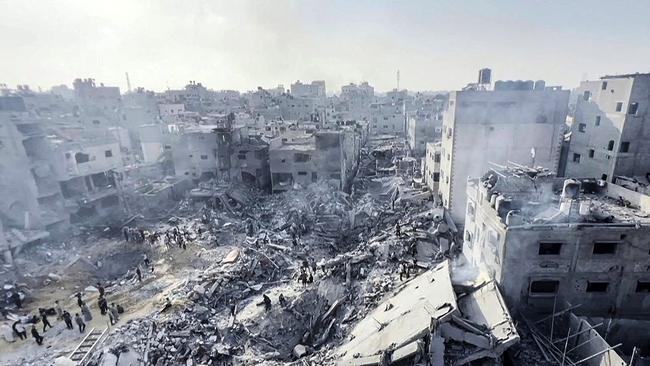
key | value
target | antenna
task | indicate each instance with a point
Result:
(397, 79)
(128, 82)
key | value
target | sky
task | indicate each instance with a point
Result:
(241, 44)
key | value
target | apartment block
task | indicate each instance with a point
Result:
(548, 240)
(515, 122)
(423, 129)
(609, 137)
(387, 119)
(431, 166)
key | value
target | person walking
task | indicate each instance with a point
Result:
(85, 310)
(46, 322)
(59, 310)
(38, 337)
(19, 328)
(115, 314)
(67, 318)
(80, 323)
(138, 273)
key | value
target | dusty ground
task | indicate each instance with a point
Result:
(118, 259)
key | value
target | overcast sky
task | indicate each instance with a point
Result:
(242, 44)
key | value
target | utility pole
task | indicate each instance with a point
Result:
(398, 79)
(128, 82)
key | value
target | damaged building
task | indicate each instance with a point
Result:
(580, 241)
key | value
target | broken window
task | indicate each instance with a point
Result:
(204, 157)
(241, 156)
(597, 286)
(549, 248)
(632, 108)
(604, 86)
(544, 287)
(597, 120)
(302, 173)
(576, 158)
(605, 247)
(108, 153)
(436, 177)
(625, 147)
(301, 157)
(586, 95)
(619, 106)
(582, 127)
(610, 145)
(81, 158)
(436, 158)
(642, 286)
(603, 177)
(592, 152)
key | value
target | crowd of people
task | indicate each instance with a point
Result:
(81, 317)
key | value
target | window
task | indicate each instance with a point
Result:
(436, 177)
(642, 286)
(625, 147)
(549, 248)
(204, 157)
(592, 152)
(576, 158)
(302, 173)
(301, 158)
(335, 176)
(436, 158)
(632, 108)
(603, 177)
(81, 157)
(586, 95)
(597, 286)
(108, 153)
(619, 106)
(605, 247)
(582, 127)
(610, 145)
(241, 156)
(604, 86)
(314, 177)
(544, 287)
(597, 120)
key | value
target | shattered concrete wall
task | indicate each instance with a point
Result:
(592, 343)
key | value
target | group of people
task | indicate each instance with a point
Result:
(307, 273)
(80, 318)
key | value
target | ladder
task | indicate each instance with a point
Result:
(90, 341)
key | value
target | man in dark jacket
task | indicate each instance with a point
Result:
(67, 318)
(38, 337)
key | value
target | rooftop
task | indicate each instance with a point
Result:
(526, 196)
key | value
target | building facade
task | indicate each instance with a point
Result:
(608, 135)
(525, 126)
(542, 246)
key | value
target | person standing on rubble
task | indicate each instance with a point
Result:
(85, 310)
(398, 230)
(267, 302)
(103, 305)
(101, 290)
(67, 318)
(19, 328)
(138, 273)
(46, 322)
(38, 337)
(15, 298)
(282, 300)
(80, 301)
(80, 323)
(113, 310)
(59, 310)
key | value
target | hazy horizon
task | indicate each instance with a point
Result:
(242, 45)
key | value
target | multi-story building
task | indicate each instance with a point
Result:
(516, 122)
(387, 119)
(314, 90)
(548, 240)
(609, 136)
(422, 129)
(300, 158)
(249, 163)
(431, 166)
(98, 101)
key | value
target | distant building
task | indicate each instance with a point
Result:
(431, 166)
(548, 240)
(423, 129)
(300, 158)
(609, 135)
(515, 124)
(316, 90)
(387, 119)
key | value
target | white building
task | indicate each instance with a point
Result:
(387, 119)
(609, 135)
(512, 123)
(316, 89)
(431, 165)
